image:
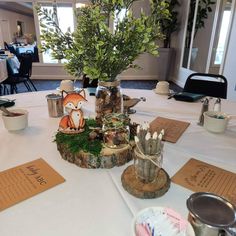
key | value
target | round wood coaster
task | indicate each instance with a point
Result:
(137, 188)
(108, 157)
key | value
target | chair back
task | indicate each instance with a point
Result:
(203, 84)
(86, 83)
(6, 46)
(25, 64)
(13, 66)
(10, 48)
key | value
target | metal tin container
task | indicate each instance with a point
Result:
(55, 108)
(211, 215)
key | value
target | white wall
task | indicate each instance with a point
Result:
(13, 17)
(49, 72)
(230, 66)
(153, 68)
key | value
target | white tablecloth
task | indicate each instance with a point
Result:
(93, 201)
(3, 70)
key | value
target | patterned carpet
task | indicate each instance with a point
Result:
(53, 84)
(42, 85)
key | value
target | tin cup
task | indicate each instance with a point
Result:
(211, 215)
(55, 107)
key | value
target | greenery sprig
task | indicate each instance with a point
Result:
(94, 48)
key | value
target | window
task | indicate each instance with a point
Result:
(119, 16)
(222, 37)
(64, 12)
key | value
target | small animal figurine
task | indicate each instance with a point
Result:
(73, 122)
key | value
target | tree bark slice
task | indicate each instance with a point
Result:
(108, 157)
(137, 188)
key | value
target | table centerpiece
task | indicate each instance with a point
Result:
(102, 52)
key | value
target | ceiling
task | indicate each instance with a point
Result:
(18, 7)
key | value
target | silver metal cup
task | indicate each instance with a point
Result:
(211, 215)
(55, 108)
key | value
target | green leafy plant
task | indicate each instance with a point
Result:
(170, 25)
(204, 8)
(96, 50)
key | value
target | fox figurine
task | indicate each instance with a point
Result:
(73, 102)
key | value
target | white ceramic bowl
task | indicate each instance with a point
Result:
(159, 211)
(67, 85)
(162, 88)
(215, 121)
(13, 123)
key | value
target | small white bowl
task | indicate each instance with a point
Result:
(162, 88)
(215, 121)
(13, 123)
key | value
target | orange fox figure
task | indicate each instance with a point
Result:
(75, 119)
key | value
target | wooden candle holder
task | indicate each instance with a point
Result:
(139, 189)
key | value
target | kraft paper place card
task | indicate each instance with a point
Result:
(199, 176)
(25, 181)
(173, 128)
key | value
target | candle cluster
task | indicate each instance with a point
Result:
(147, 143)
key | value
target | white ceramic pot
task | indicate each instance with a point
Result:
(215, 122)
(13, 123)
(162, 88)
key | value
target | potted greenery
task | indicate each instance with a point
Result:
(171, 24)
(93, 49)
(168, 27)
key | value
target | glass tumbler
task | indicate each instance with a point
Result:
(116, 132)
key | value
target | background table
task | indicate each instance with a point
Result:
(93, 201)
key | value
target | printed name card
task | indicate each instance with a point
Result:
(173, 128)
(25, 181)
(199, 176)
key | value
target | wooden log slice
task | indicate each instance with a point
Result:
(137, 188)
(108, 157)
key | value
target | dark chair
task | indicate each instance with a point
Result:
(10, 48)
(208, 84)
(23, 76)
(5, 45)
(36, 54)
(87, 84)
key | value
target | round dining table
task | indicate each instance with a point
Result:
(93, 201)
